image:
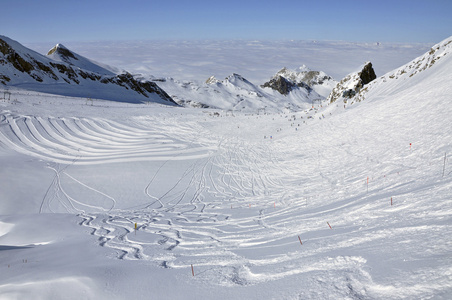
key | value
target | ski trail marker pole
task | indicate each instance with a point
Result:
(192, 271)
(300, 240)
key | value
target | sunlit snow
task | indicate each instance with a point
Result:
(110, 200)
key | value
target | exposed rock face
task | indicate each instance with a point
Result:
(305, 75)
(367, 74)
(351, 85)
(142, 87)
(286, 80)
(62, 51)
(280, 84)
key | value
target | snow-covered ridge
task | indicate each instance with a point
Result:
(401, 78)
(423, 62)
(66, 73)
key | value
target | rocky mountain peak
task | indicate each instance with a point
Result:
(367, 74)
(62, 51)
(280, 84)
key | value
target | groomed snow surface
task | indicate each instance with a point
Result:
(107, 200)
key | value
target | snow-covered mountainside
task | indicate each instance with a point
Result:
(361, 85)
(115, 201)
(407, 75)
(352, 84)
(66, 73)
(302, 78)
(238, 94)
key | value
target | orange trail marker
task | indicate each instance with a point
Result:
(300, 240)
(329, 225)
(192, 271)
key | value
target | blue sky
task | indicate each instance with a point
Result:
(53, 21)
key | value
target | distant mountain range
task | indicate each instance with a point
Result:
(287, 89)
(64, 72)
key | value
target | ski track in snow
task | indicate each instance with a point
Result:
(230, 213)
(90, 141)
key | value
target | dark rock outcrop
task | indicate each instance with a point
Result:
(367, 74)
(280, 84)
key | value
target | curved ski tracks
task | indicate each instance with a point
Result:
(82, 141)
(229, 213)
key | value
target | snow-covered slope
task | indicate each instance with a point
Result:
(395, 81)
(117, 201)
(410, 74)
(66, 73)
